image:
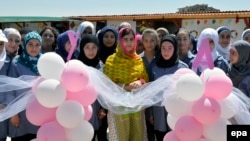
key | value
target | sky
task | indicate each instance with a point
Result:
(63, 8)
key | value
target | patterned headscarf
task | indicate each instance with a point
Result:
(25, 59)
(125, 68)
(105, 52)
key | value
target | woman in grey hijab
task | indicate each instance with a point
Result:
(240, 66)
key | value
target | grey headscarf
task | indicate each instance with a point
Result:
(241, 69)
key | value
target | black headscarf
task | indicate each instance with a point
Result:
(89, 38)
(105, 51)
(241, 69)
(161, 62)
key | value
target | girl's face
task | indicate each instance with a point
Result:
(167, 50)
(48, 38)
(211, 44)
(183, 41)
(67, 46)
(139, 48)
(149, 42)
(234, 56)
(129, 42)
(33, 47)
(224, 39)
(90, 50)
(161, 34)
(1, 47)
(247, 38)
(109, 39)
(86, 31)
(13, 43)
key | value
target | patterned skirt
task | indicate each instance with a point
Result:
(127, 127)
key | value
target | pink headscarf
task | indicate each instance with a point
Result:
(139, 37)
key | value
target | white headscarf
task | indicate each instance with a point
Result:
(80, 30)
(212, 34)
(224, 52)
(244, 33)
(3, 54)
(11, 31)
(84, 25)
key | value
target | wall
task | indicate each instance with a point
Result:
(197, 25)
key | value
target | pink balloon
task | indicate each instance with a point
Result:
(187, 128)
(181, 72)
(88, 112)
(218, 86)
(36, 83)
(38, 114)
(51, 131)
(171, 136)
(206, 110)
(74, 76)
(85, 97)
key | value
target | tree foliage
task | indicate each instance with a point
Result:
(197, 8)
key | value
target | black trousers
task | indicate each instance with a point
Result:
(150, 131)
(102, 132)
(26, 137)
(159, 135)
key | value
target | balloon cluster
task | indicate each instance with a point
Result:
(63, 98)
(200, 108)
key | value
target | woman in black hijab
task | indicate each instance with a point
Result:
(167, 63)
(107, 37)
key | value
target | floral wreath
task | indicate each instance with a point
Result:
(234, 34)
(195, 33)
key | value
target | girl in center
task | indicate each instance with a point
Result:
(126, 68)
(89, 55)
(167, 62)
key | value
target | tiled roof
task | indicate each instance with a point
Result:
(184, 15)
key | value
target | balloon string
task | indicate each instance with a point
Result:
(73, 41)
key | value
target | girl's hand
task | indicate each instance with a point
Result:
(135, 84)
(101, 114)
(151, 120)
(15, 120)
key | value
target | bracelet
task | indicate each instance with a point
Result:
(142, 81)
(123, 85)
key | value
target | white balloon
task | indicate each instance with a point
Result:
(50, 93)
(209, 72)
(217, 131)
(50, 65)
(34, 140)
(83, 132)
(229, 106)
(70, 114)
(171, 121)
(190, 87)
(177, 106)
